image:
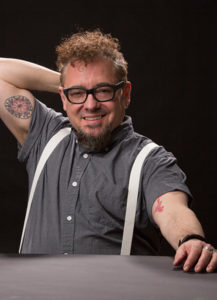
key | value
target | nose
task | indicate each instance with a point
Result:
(91, 103)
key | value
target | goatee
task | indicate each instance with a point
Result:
(94, 143)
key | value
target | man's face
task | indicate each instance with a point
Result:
(92, 118)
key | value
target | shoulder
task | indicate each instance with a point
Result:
(45, 123)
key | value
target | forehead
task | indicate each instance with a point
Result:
(91, 73)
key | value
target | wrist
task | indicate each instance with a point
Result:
(190, 237)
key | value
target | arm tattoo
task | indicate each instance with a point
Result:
(159, 207)
(19, 106)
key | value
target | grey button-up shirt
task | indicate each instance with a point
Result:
(80, 199)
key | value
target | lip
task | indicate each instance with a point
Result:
(93, 118)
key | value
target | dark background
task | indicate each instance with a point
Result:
(171, 47)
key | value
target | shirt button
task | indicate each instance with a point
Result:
(69, 218)
(85, 155)
(74, 183)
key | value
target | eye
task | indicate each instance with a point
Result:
(104, 90)
(76, 93)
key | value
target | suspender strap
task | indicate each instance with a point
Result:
(133, 189)
(51, 145)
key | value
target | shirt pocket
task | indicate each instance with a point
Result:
(107, 206)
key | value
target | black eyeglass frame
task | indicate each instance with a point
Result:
(115, 87)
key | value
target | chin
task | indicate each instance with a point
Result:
(94, 139)
(94, 130)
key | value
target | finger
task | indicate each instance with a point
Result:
(192, 258)
(205, 258)
(180, 256)
(212, 266)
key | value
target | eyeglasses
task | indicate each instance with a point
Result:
(101, 93)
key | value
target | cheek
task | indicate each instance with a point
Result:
(74, 119)
(120, 108)
(117, 114)
(72, 113)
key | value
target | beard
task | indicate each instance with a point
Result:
(94, 143)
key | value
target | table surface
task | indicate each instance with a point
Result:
(100, 277)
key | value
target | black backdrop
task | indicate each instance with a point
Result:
(171, 47)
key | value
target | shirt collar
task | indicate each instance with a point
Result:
(122, 131)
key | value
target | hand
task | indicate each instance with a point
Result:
(198, 253)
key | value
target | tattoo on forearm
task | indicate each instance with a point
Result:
(19, 106)
(159, 207)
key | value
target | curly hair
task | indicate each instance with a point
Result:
(87, 46)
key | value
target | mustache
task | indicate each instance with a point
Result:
(99, 111)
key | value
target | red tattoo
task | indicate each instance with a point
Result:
(159, 207)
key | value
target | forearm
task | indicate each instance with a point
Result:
(181, 225)
(30, 76)
(176, 221)
(174, 218)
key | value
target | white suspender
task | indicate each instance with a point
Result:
(133, 187)
(51, 145)
(132, 196)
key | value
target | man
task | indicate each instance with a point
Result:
(80, 200)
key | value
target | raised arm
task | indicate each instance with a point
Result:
(17, 77)
(176, 221)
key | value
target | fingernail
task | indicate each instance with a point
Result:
(208, 269)
(186, 268)
(197, 269)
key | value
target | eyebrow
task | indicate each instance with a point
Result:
(95, 86)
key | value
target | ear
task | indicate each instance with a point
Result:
(127, 93)
(63, 97)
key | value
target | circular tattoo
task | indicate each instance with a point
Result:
(19, 106)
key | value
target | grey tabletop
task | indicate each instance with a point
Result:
(100, 277)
